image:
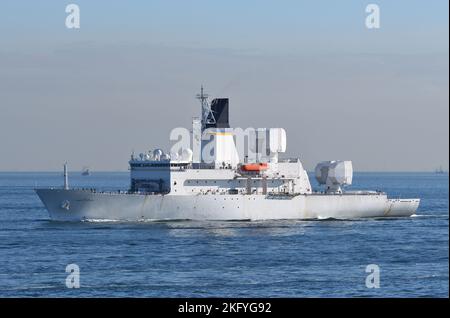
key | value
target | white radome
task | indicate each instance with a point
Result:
(335, 174)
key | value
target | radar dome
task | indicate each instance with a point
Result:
(157, 153)
(186, 155)
(334, 174)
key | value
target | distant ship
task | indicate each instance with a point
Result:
(85, 171)
(184, 185)
(439, 170)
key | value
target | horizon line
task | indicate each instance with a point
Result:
(109, 171)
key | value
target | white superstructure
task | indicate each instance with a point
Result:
(212, 180)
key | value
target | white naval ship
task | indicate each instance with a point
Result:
(213, 180)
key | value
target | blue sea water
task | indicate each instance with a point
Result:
(323, 258)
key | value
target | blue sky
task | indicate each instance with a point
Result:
(271, 26)
(129, 74)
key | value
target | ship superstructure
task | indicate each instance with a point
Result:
(212, 179)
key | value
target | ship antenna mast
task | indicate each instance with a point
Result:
(207, 114)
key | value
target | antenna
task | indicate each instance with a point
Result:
(207, 114)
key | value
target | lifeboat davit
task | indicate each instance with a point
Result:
(254, 167)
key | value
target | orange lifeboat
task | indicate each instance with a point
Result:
(256, 167)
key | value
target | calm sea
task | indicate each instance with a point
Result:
(325, 258)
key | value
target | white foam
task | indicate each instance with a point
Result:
(101, 220)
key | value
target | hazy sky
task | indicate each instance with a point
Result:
(130, 74)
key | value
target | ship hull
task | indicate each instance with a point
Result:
(79, 205)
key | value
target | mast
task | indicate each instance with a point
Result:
(207, 114)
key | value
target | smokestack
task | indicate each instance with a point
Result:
(219, 108)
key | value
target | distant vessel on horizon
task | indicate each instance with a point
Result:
(440, 171)
(85, 171)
